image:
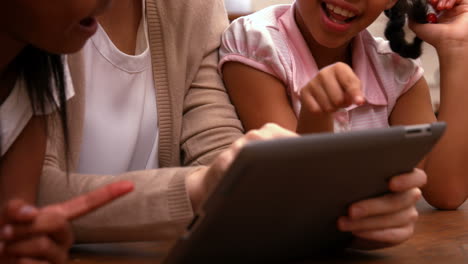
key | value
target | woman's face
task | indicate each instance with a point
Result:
(56, 26)
(333, 23)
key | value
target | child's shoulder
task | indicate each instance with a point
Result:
(263, 20)
(381, 52)
(257, 35)
(379, 46)
(388, 64)
(257, 41)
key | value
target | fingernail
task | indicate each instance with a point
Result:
(395, 185)
(359, 100)
(7, 231)
(27, 211)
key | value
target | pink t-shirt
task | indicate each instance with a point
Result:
(270, 41)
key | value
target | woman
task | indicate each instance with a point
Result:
(32, 84)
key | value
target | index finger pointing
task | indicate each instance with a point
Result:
(86, 203)
(351, 84)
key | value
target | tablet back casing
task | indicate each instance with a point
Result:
(280, 200)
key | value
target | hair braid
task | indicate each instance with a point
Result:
(394, 32)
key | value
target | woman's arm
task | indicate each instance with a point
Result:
(160, 207)
(209, 121)
(32, 235)
(21, 166)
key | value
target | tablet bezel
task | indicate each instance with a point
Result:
(229, 227)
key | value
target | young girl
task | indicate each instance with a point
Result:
(312, 67)
(33, 82)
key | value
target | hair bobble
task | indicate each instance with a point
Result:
(415, 10)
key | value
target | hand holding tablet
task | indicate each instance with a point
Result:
(282, 199)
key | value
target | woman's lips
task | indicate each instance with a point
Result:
(88, 22)
(88, 26)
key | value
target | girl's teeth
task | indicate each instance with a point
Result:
(340, 11)
(337, 21)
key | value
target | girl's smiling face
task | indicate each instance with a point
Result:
(333, 23)
(56, 26)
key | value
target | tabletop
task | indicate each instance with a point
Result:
(440, 237)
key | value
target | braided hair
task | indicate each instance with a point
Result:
(416, 11)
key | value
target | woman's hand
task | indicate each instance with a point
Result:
(388, 220)
(201, 183)
(49, 247)
(31, 235)
(333, 88)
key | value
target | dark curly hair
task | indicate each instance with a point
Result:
(414, 10)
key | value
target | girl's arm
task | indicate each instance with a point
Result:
(447, 187)
(414, 107)
(261, 98)
(379, 222)
(21, 166)
(447, 164)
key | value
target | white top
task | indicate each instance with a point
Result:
(16, 111)
(121, 125)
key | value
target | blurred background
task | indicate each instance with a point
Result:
(429, 58)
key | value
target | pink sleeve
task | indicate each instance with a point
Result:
(417, 73)
(256, 45)
(400, 73)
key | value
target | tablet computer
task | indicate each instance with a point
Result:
(280, 199)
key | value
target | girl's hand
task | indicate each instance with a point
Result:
(44, 235)
(451, 32)
(201, 183)
(333, 88)
(388, 220)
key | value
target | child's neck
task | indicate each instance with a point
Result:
(11, 47)
(327, 56)
(121, 24)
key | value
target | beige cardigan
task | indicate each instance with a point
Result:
(196, 122)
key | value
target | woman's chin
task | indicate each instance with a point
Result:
(64, 47)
